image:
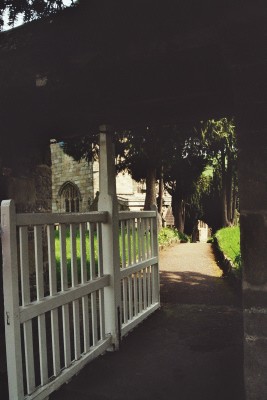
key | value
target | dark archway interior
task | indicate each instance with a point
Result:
(146, 62)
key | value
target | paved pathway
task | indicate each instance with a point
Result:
(190, 349)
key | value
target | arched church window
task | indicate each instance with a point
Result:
(70, 197)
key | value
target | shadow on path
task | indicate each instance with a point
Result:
(189, 349)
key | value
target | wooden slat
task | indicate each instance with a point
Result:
(64, 286)
(128, 229)
(25, 293)
(68, 373)
(76, 328)
(100, 273)
(142, 238)
(134, 241)
(74, 283)
(130, 294)
(100, 249)
(40, 295)
(124, 215)
(140, 292)
(148, 286)
(57, 218)
(92, 277)
(137, 267)
(139, 239)
(135, 294)
(145, 288)
(85, 307)
(102, 314)
(53, 291)
(147, 227)
(124, 300)
(73, 252)
(49, 303)
(123, 250)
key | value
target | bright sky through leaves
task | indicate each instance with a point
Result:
(19, 21)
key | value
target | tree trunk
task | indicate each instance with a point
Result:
(225, 221)
(150, 188)
(160, 197)
(179, 214)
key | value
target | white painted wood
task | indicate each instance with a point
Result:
(93, 277)
(123, 265)
(100, 250)
(84, 278)
(138, 222)
(123, 250)
(125, 215)
(64, 286)
(141, 280)
(74, 283)
(137, 267)
(142, 239)
(83, 252)
(129, 252)
(66, 374)
(130, 294)
(26, 299)
(134, 240)
(137, 320)
(110, 229)
(73, 252)
(38, 248)
(48, 303)
(11, 300)
(145, 288)
(148, 270)
(140, 291)
(155, 270)
(53, 291)
(56, 218)
(101, 291)
(135, 294)
(147, 229)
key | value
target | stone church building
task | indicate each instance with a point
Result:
(75, 185)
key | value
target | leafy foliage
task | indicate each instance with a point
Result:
(29, 9)
(220, 141)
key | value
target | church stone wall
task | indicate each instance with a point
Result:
(65, 169)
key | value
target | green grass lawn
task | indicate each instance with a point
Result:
(229, 243)
(164, 237)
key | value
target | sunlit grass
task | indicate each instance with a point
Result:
(229, 243)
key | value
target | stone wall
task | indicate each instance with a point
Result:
(27, 180)
(65, 169)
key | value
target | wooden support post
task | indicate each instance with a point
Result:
(110, 231)
(11, 300)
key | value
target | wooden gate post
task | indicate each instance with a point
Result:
(111, 263)
(11, 300)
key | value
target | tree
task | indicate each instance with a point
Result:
(140, 153)
(220, 141)
(29, 9)
(184, 166)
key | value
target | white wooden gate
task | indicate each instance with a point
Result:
(55, 311)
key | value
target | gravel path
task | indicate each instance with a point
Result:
(190, 349)
(190, 275)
